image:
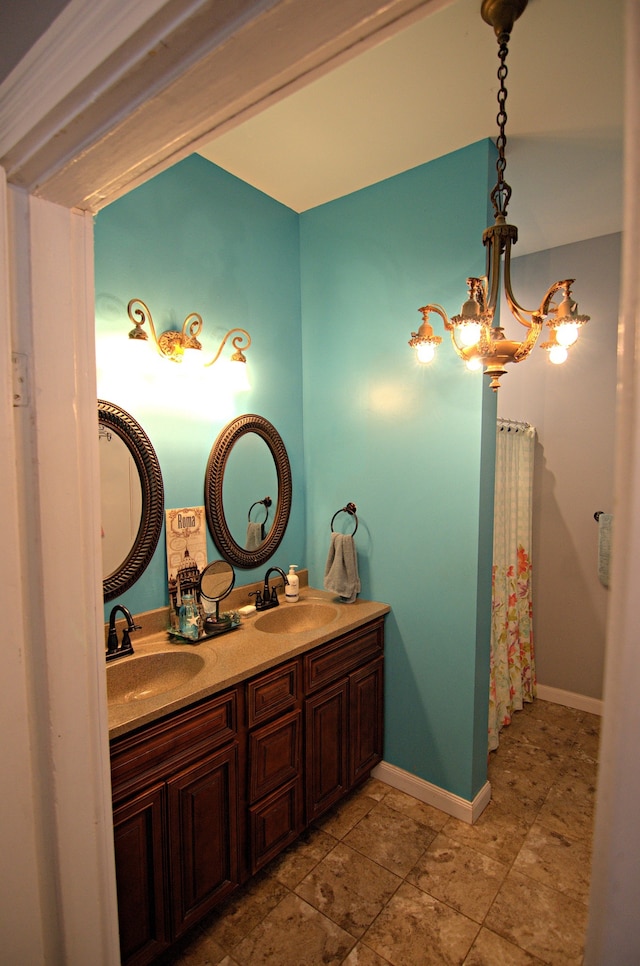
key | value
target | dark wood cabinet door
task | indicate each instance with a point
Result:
(366, 719)
(203, 832)
(275, 822)
(141, 867)
(326, 748)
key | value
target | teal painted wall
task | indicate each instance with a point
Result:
(197, 239)
(406, 445)
(330, 298)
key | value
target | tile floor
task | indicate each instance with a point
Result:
(385, 879)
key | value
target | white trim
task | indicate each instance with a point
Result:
(569, 699)
(82, 36)
(424, 791)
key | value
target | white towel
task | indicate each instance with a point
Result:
(341, 571)
(605, 524)
(254, 536)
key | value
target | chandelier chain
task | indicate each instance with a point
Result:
(501, 193)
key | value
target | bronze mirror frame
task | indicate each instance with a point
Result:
(214, 480)
(144, 456)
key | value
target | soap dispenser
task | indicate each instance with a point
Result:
(291, 589)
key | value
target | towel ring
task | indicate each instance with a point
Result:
(597, 515)
(266, 503)
(350, 508)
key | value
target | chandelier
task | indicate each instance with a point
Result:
(479, 342)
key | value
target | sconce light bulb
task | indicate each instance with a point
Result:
(558, 354)
(474, 364)
(469, 333)
(425, 352)
(567, 333)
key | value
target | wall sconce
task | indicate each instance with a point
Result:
(175, 346)
(476, 340)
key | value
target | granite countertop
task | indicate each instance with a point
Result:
(233, 657)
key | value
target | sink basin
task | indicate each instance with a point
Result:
(147, 675)
(294, 618)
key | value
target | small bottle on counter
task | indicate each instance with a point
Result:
(291, 590)
(189, 618)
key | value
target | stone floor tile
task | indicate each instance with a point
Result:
(456, 874)
(200, 949)
(362, 955)
(342, 818)
(299, 859)
(294, 934)
(414, 929)
(539, 920)
(489, 949)
(420, 812)
(498, 833)
(390, 838)
(348, 888)
(557, 860)
(569, 808)
(228, 924)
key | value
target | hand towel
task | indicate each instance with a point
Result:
(605, 524)
(254, 536)
(341, 571)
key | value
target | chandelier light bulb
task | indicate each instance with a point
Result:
(558, 354)
(474, 364)
(425, 352)
(470, 333)
(567, 333)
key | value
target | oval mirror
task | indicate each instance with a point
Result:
(247, 461)
(132, 498)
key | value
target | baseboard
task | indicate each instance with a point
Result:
(581, 702)
(424, 791)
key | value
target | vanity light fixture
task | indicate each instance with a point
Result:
(174, 345)
(479, 342)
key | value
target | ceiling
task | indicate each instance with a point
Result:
(431, 89)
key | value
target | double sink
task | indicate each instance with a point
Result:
(150, 675)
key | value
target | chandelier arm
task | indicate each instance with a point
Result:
(140, 315)
(523, 316)
(237, 343)
(565, 285)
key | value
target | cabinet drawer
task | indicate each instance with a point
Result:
(271, 693)
(274, 823)
(274, 754)
(334, 660)
(170, 743)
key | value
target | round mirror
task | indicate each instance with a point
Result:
(132, 498)
(247, 461)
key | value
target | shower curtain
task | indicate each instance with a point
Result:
(512, 669)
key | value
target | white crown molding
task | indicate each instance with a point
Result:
(82, 36)
(424, 791)
(119, 78)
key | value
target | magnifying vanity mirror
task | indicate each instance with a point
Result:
(216, 583)
(247, 461)
(132, 498)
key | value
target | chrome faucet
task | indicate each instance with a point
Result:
(113, 649)
(269, 597)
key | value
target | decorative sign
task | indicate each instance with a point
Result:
(186, 550)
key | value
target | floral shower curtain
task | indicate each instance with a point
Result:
(512, 674)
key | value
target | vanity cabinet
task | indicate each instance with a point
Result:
(343, 715)
(177, 819)
(209, 795)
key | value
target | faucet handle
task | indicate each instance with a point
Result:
(258, 596)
